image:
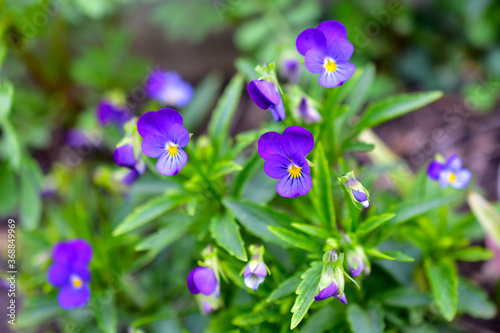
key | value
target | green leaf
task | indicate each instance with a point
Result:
(487, 215)
(224, 168)
(358, 147)
(295, 239)
(105, 312)
(205, 95)
(323, 319)
(226, 233)
(311, 230)
(360, 92)
(218, 128)
(473, 253)
(395, 106)
(256, 318)
(365, 321)
(30, 204)
(373, 222)
(474, 301)
(404, 297)
(322, 191)
(6, 95)
(256, 219)
(306, 292)
(148, 211)
(286, 288)
(38, 310)
(162, 238)
(10, 144)
(443, 280)
(411, 209)
(390, 255)
(9, 195)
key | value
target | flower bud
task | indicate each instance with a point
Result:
(255, 271)
(358, 193)
(332, 277)
(358, 262)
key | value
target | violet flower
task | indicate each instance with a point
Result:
(203, 282)
(255, 271)
(327, 52)
(168, 88)
(291, 70)
(359, 195)
(331, 291)
(124, 156)
(70, 272)
(266, 96)
(164, 137)
(307, 113)
(285, 156)
(450, 173)
(109, 113)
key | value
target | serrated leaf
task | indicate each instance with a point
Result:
(295, 239)
(286, 288)
(473, 253)
(474, 301)
(306, 292)
(147, 212)
(256, 219)
(365, 321)
(409, 210)
(443, 280)
(322, 191)
(226, 233)
(373, 222)
(487, 215)
(395, 106)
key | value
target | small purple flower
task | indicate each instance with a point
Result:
(124, 156)
(327, 52)
(254, 274)
(168, 88)
(70, 272)
(307, 113)
(450, 173)
(108, 113)
(331, 291)
(285, 156)
(361, 197)
(291, 70)
(164, 137)
(266, 96)
(203, 280)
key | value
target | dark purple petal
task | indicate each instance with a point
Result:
(333, 30)
(278, 111)
(178, 135)
(63, 253)
(310, 39)
(289, 187)
(260, 269)
(314, 61)
(263, 93)
(164, 118)
(434, 170)
(462, 178)
(453, 163)
(327, 292)
(124, 156)
(205, 281)
(359, 196)
(340, 50)
(109, 113)
(153, 145)
(168, 165)
(301, 162)
(357, 266)
(70, 297)
(341, 299)
(276, 166)
(82, 271)
(146, 125)
(296, 139)
(83, 252)
(270, 144)
(58, 275)
(131, 177)
(190, 282)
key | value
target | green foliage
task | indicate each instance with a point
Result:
(306, 291)
(365, 320)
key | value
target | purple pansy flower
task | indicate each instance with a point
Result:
(168, 88)
(285, 156)
(327, 52)
(450, 173)
(254, 274)
(291, 70)
(124, 156)
(70, 272)
(108, 113)
(164, 137)
(266, 96)
(331, 291)
(203, 280)
(307, 113)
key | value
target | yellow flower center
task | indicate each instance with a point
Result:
(294, 171)
(330, 65)
(172, 150)
(452, 177)
(76, 281)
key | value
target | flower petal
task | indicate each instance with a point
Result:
(63, 253)
(247, 271)
(164, 118)
(276, 166)
(178, 135)
(359, 196)
(82, 271)
(310, 39)
(130, 178)
(58, 275)
(263, 93)
(340, 50)
(307, 113)
(278, 110)
(314, 61)
(153, 145)
(453, 163)
(253, 281)
(289, 187)
(124, 156)
(434, 169)
(205, 281)
(83, 252)
(333, 30)
(171, 165)
(335, 79)
(270, 144)
(463, 178)
(296, 139)
(327, 292)
(260, 269)
(70, 297)
(341, 299)
(146, 125)
(190, 282)
(299, 160)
